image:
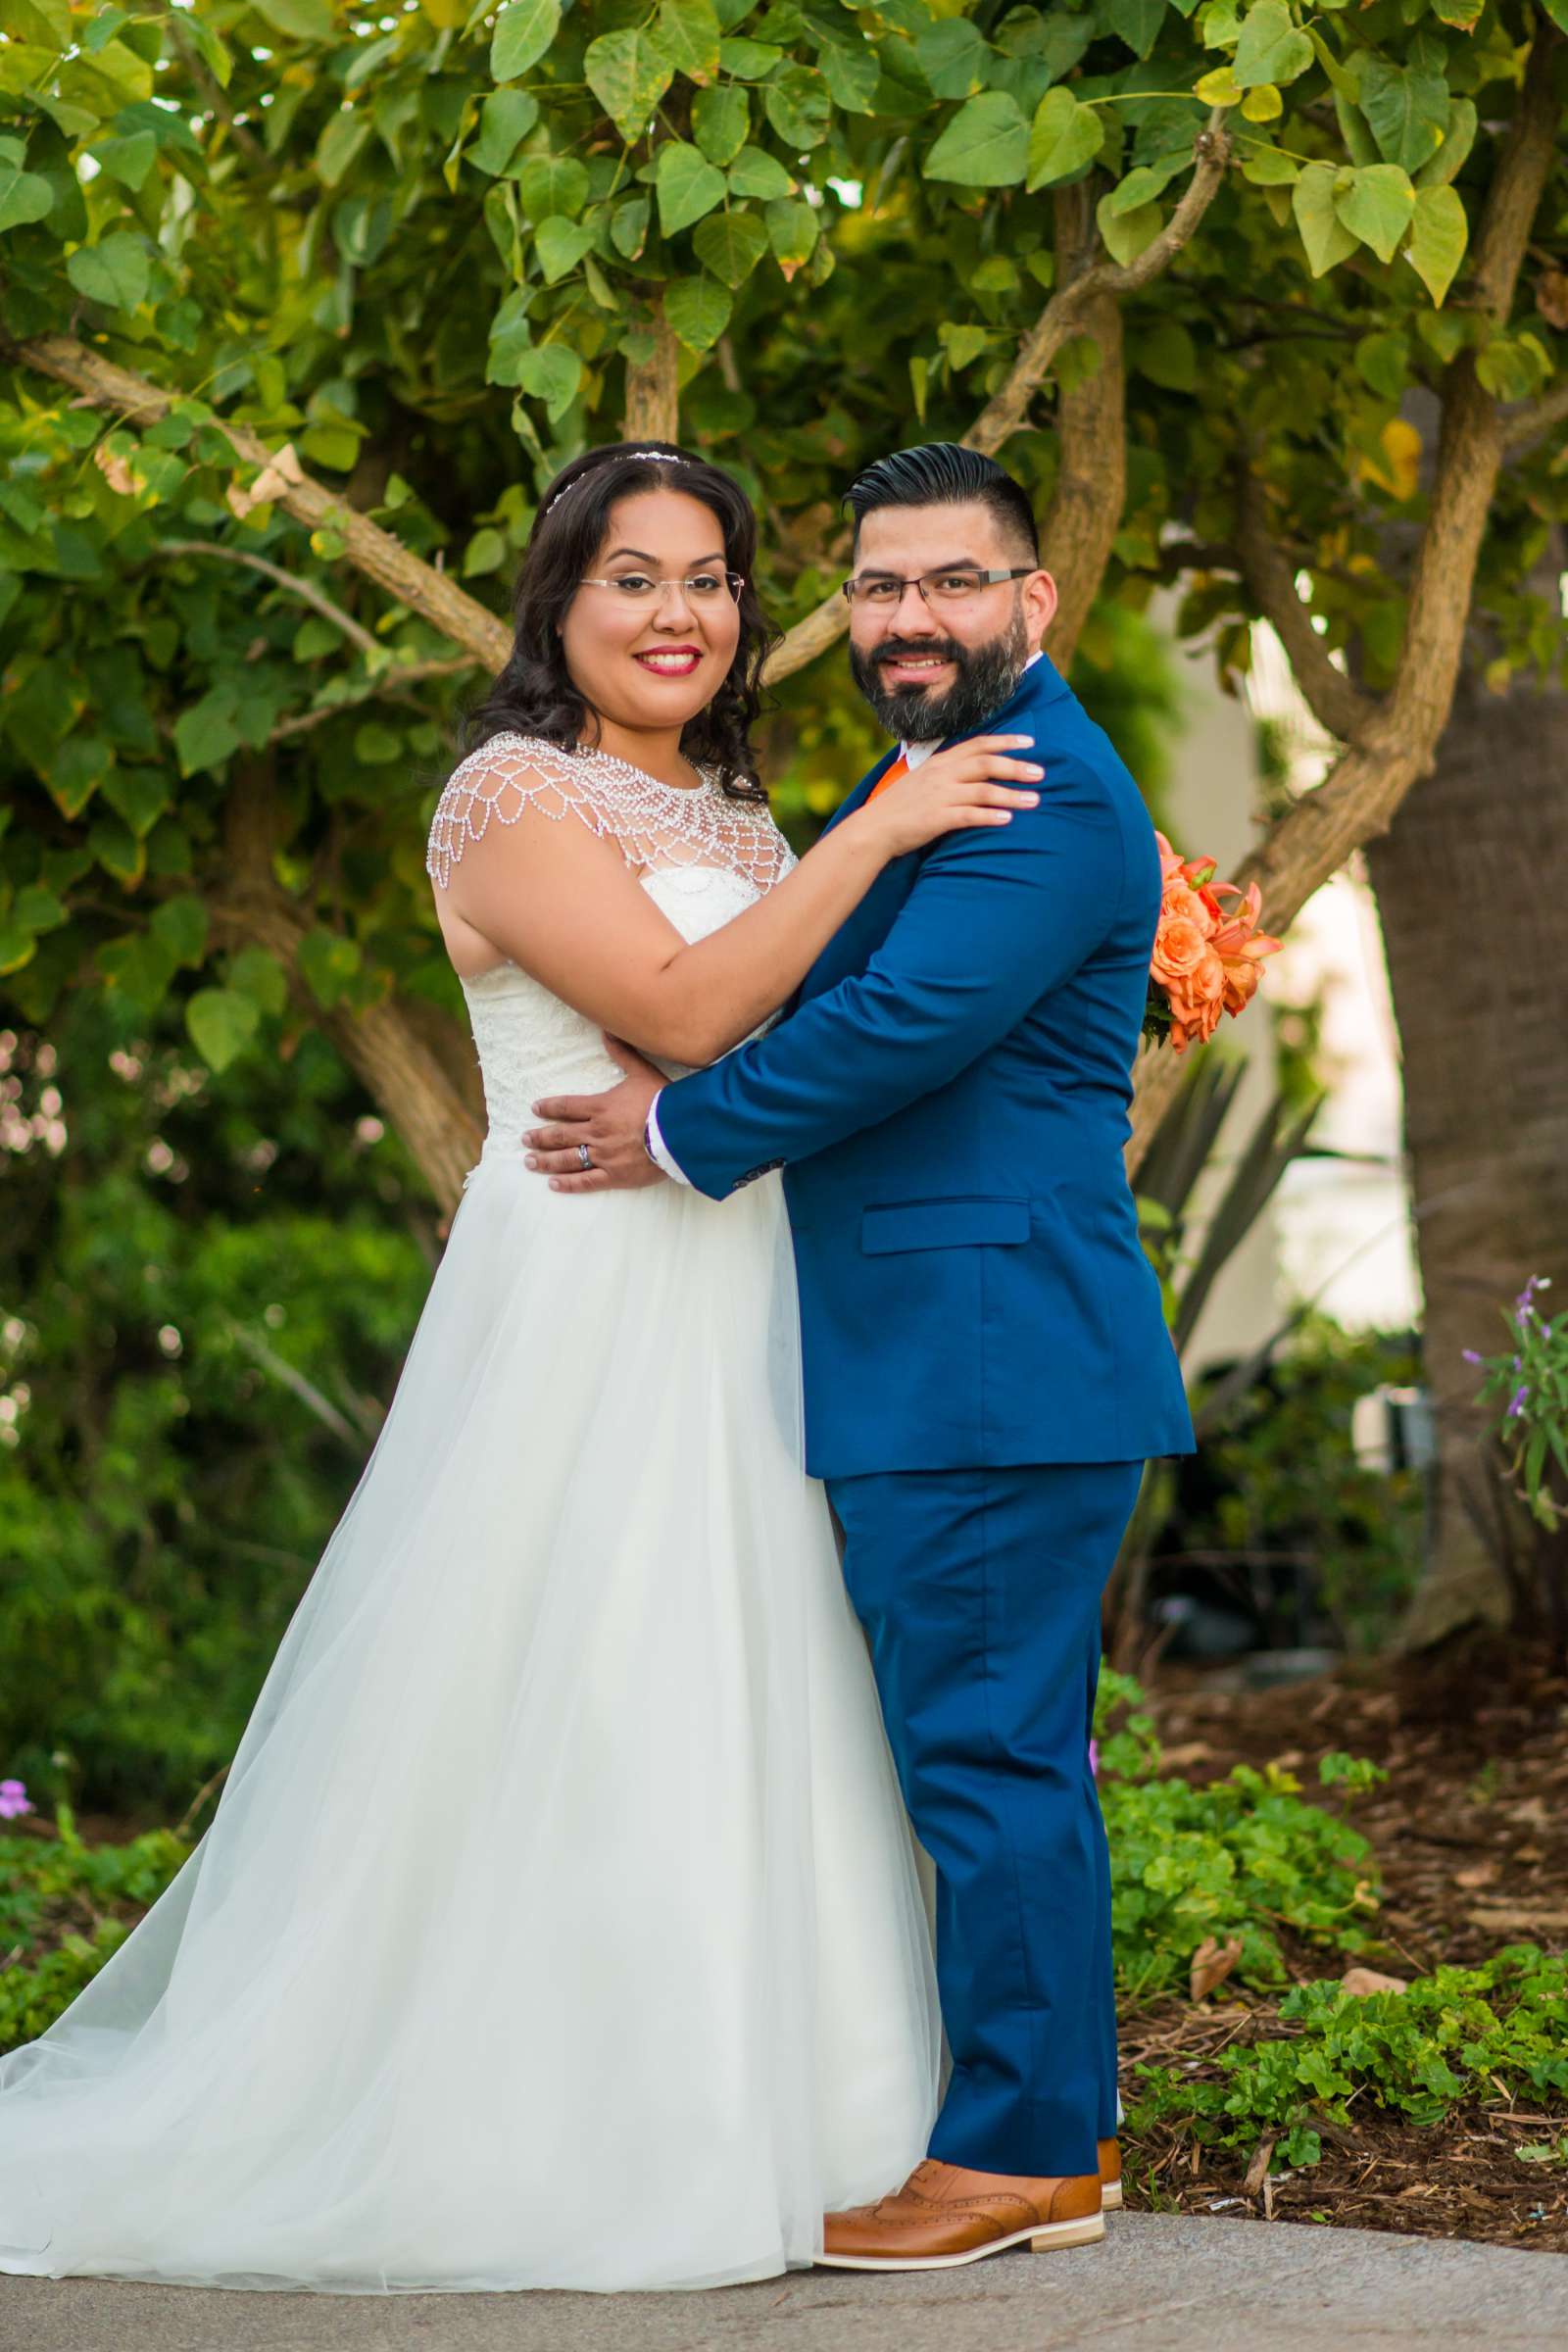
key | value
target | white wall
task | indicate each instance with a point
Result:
(1336, 1230)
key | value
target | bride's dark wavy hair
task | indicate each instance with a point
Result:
(536, 694)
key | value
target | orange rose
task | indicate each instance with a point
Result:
(1180, 946)
(1181, 904)
(1205, 957)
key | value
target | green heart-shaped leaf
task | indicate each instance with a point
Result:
(688, 186)
(688, 33)
(720, 120)
(1270, 48)
(1439, 236)
(221, 1023)
(1064, 137)
(730, 245)
(1376, 208)
(986, 145)
(698, 311)
(524, 31)
(561, 245)
(116, 272)
(629, 74)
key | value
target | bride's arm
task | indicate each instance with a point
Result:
(557, 900)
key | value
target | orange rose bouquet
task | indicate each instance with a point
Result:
(1206, 953)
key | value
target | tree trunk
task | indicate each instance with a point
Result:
(1475, 924)
(652, 389)
(417, 1064)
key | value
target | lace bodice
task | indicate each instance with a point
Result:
(701, 857)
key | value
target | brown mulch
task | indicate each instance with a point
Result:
(1470, 1832)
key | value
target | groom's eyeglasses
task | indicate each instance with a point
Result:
(702, 587)
(941, 589)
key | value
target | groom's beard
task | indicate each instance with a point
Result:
(987, 676)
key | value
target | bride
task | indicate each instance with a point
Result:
(557, 1924)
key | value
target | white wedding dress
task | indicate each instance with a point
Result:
(557, 1926)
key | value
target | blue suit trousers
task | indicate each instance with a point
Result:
(980, 1591)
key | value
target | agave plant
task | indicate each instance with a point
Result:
(1182, 1148)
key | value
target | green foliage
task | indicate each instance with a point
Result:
(1451, 2036)
(1244, 1857)
(422, 251)
(204, 1301)
(31, 1999)
(54, 1887)
(1286, 1477)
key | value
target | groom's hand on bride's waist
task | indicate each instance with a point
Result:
(594, 1143)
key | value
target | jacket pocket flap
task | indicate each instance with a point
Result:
(942, 1225)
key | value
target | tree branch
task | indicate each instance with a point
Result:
(383, 1045)
(391, 681)
(214, 94)
(1397, 742)
(1086, 508)
(1339, 705)
(1062, 319)
(306, 590)
(389, 686)
(102, 384)
(1523, 428)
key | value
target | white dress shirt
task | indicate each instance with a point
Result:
(914, 753)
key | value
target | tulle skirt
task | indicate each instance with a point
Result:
(557, 1924)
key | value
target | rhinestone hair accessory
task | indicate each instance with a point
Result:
(660, 457)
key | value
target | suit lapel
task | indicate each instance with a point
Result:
(858, 796)
(863, 931)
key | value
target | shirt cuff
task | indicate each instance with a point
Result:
(661, 1153)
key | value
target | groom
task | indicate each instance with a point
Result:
(986, 1359)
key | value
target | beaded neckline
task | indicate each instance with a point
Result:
(623, 770)
(656, 824)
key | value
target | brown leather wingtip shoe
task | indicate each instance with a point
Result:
(945, 2215)
(1111, 2176)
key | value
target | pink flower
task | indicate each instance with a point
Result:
(14, 1800)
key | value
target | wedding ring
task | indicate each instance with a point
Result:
(582, 1154)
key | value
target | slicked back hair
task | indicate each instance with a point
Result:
(944, 473)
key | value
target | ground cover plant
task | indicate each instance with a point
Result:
(1258, 2075)
(1440, 2109)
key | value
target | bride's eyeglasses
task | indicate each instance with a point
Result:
(702, 588)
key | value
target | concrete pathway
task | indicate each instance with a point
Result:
(1160, 2284)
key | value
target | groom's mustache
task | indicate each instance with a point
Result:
(922, 649)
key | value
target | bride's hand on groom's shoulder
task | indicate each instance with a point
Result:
(978, 782)
(594, 1143)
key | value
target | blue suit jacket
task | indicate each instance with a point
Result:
(949, 1098)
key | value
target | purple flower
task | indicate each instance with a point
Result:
(1471, 1356)
(14, 1800)
(1522, 1303)
(1516, 1402)
(1094, 1757)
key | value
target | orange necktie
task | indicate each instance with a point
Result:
(899, 767)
